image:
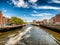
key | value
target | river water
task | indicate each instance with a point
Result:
(28, 35)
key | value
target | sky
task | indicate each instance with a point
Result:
(30, 10)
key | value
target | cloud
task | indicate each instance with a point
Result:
(20, 3)
(32, 1)
(43, 15)
(23, 4)
(56, 1)
(46, 7)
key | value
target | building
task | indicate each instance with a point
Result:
(3, 20)
(45, 21)
(55, 20)
(51, 21)
(34, 21)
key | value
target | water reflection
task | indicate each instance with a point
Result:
(30, 35)
(14, 40)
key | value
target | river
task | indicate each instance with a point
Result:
(28, 35)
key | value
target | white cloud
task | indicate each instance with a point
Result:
(56, 1)
(36, 15)
(46, 7)
(32, 1)
(20, 3)
(43, 15)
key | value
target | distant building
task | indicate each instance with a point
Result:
(51, 21)
(45, 21)
(41, 22)
(38, 22)
(34, 21)
(3, 20)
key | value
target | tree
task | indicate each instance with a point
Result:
(16, 21)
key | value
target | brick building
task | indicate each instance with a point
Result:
(55, 20)
(3, 20)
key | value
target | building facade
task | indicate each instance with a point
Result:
(55, 20)
(3, 20)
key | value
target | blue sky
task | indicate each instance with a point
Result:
(30, 10)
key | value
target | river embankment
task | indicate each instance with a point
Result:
(9, 28)
(53, 28)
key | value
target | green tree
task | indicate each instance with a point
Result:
(16, 21)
